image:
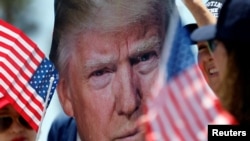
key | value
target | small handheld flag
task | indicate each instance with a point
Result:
(25, 74)
(182, 104)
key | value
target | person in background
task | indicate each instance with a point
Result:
(108, 54)
(230, 50)
(204, 15)
(13, 127)
(63, 128)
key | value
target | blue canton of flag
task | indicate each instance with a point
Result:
(40, 81)
(181, 55)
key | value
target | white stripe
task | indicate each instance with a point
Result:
(197, 86)
(22, 53)
(166, 124)
(180, 93)
(177, 93)
(18, 63)
(3, 50)
(175, 116)
(206, 96)
(19, 38)
(194, 88)
(8, 31)
(1, 95)
(156, 131)
(21, 105)
(22, 93)
(190, 89)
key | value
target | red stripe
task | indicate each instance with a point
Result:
(178, 108)
(9, 26)
(34, 50)
(198, 96)
(218, 109)
(29, 53)
(148, 128)
(19, 83)
(25, 115)
(17, 67)
(205, 94)
(21, 98)
(24, 48)
(18, 55)
(171, 119)
(160, 122)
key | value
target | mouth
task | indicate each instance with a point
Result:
(213, 72)
(129, 136)
(19, 139)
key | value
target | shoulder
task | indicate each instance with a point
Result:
(63, 128)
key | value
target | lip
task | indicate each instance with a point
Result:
(132, 135)
(214, 74)
(19, 139)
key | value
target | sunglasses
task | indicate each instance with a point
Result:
(7, 121)
(212, 45)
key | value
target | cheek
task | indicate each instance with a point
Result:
(32, 135)
(202, 68)
(3, 136)
(148, 81)
(93, 113)
(220, 58)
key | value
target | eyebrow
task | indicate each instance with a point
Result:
(102, 62)
(4, 110)
(98, 63)
(141, 47)
(154, 43)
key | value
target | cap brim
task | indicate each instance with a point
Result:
(190, 28)
(3, 102)
(204, 33)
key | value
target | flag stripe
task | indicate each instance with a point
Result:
(173, 117)
(21, 82)
(178, 101)
(21, 64)
(22, 93)
(19, 46)
(200, 88)
(184, 104)
(19, 102)
(191, 93)
(25, 43)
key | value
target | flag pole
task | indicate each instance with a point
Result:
(45, 106)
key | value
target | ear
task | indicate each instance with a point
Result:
(65, 97)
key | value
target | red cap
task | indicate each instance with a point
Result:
(3, 101)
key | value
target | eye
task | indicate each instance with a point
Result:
(143, 58)
(146, 56)
(100, 78)
(100, 72)
(202, 47)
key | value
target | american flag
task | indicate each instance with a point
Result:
(27, 78)
(182, 104)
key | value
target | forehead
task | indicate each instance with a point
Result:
(8, 109)
(136, 31)
(202, 44)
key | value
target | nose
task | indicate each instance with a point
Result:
(16, 127)
(128, 97)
